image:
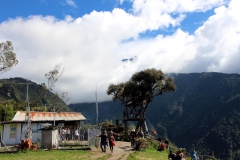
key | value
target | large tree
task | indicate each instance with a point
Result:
(7, 56)
(137, 93)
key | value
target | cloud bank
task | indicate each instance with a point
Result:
(91, 47)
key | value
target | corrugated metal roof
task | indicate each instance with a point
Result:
(49, 116)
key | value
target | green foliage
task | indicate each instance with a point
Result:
(13, 96)
(107, 123)
(7, 56)
(149, 154)
(142, 144)
(142, 86)
(6, 112)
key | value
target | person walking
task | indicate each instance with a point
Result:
(103, 142)
(194, 155)
(111, 141)
(132, 137)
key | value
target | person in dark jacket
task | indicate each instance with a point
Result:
(132, 137)
(104, 139)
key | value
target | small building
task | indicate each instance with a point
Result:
(49, 138)
(15, 130)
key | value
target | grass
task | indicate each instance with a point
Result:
(53, 155)
(150, 154)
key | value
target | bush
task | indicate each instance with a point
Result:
(146, 143)
(141, 144)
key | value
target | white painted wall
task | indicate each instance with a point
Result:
(20, 133)
(6, 134)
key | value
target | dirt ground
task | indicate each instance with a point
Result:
(121, 151)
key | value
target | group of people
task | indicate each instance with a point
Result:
(65, 134)
(180, 155)
(162, 144)
(69, 134)
(106, 139)
(135, 134)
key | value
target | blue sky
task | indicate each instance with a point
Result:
(89, 38)
(11, 9)
(59, 9)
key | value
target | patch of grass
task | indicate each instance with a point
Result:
(150, 154)
(104, 157)
(53, 155)
(121, 156)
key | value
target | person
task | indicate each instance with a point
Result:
(103, 141)
(178, 155)
(85, 134)
(131, 113)
(171, 155)
(63, 134)
(194, 155)
(68, 134)
(132, 137)
(111, 141)
(76, 134)
(162, 146)
(167, 143)
(181, 155)
(159, 140)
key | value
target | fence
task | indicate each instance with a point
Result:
(93, 141)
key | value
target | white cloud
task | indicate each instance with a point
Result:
(71, 3)
(91, 47)
(218, 39)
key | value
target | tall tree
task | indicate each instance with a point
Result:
(7, 56)
(53, 76)
(137, 93)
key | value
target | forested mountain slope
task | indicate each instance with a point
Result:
(13, 93)
(203, 113)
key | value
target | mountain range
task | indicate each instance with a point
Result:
(203, 113)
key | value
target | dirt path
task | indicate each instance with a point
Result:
(121, 151)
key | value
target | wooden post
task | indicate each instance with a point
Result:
(125, 124)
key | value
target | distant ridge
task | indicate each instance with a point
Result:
(203, 113)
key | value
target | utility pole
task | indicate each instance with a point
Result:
(96, 106)
(53, 113)
(28, 134)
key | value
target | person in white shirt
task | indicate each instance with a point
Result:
(76, 134)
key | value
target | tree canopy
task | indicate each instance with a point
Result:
(142, 87)
(7, 56)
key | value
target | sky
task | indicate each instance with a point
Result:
(94, 40)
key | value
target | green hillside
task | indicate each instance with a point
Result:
(203, 113)
(13, 93)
